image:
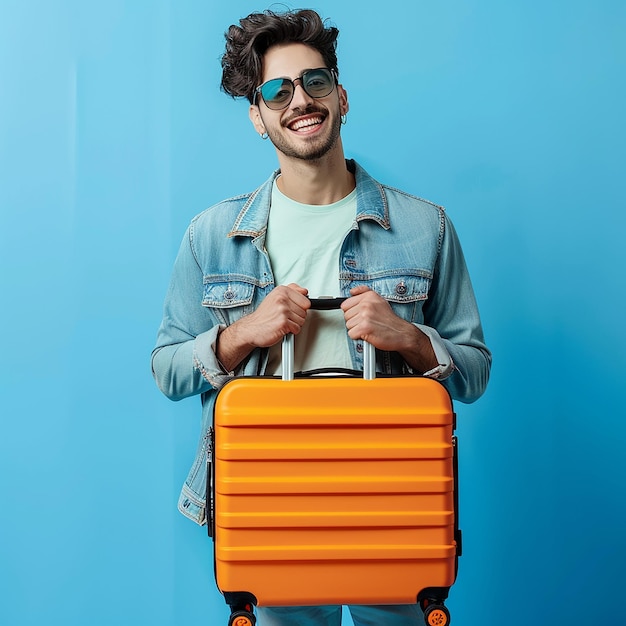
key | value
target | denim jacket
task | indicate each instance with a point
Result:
(402, 247)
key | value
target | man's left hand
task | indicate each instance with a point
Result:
(370, 317)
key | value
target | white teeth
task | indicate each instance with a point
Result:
(311, 121)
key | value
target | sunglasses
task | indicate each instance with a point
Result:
(277, 93)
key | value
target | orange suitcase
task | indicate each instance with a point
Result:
(333, 490)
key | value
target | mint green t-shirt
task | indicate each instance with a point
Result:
(303, 242)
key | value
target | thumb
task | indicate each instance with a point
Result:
(355, 291)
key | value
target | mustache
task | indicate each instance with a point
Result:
(308, 110)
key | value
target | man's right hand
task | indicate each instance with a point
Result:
(283, 311)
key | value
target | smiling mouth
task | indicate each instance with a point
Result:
(304, 124)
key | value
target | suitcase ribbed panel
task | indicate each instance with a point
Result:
(334, 490)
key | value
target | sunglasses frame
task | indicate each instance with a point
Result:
(258, 92)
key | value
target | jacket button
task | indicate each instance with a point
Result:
(229, 294)
(401, 289)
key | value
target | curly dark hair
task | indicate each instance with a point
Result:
(242, 63)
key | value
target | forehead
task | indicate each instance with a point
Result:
(290, 60)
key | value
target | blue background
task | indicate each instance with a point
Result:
(113, 134)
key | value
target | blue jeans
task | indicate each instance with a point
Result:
(392, 615)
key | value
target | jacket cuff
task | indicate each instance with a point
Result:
(445, 365)
(205, 358)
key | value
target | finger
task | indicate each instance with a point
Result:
(356, 291)
(354, 300)
(291, 324)
(303, 290)
(287, 296)
(298, 297)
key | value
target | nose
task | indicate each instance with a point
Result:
(300, 97)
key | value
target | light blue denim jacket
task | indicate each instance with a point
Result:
(403, 247)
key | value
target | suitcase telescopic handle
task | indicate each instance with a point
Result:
(326, 304)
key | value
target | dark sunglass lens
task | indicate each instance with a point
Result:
(317, 83)
(277, 92)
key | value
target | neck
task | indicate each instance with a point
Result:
(323, 181)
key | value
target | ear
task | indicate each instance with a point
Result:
(344, 106)
(255, 117)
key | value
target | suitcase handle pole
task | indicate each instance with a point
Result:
(288, 356)
(288, 346)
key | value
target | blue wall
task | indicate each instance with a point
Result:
(113, 134)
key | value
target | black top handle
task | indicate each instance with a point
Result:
(326, 304)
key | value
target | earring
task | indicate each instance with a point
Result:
(264, 135)
(344, 118)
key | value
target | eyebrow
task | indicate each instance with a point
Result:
(308, 69)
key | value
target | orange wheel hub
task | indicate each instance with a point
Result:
(437, 618)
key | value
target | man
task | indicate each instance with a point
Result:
(319, 226)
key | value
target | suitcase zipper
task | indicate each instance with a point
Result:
(208, 445)
(208, 440)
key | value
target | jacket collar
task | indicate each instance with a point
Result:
(371, 204)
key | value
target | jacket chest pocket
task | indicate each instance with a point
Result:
(228, 299)
(406, 292)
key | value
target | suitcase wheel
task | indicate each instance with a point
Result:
(242, 618)
(436, 615)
